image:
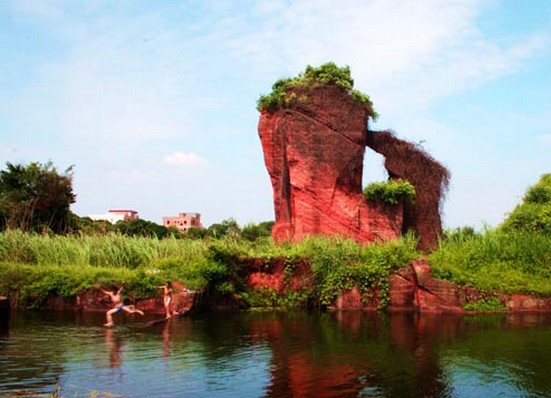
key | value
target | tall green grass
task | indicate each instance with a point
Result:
(337, 263)
(111, 250)
(495, 260)
(34, 266)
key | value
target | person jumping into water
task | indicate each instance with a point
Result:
(118, 305)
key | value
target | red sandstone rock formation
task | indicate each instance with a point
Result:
(411, 289)
(414, 288)
(409, 162)
(314, 152)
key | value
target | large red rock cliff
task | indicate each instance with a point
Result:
(314, 152)
(314, 147)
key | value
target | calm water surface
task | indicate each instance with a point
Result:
(277, 355)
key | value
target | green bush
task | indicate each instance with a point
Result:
(29, 285)
(529, 217)
(340, 264)
(272, 299)
(145, 228)
(328, 73)
(391, 192)
(255, 231)
(533, 215)
(491, 304)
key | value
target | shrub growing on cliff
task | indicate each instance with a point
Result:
(343, 264)
(328, 73)
(392, 192)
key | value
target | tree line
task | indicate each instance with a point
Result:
(37, 198)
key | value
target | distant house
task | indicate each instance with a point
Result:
(183, 221)
(114, 216)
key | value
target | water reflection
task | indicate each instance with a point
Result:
(114, 345)
(166, 340)
(281, 355)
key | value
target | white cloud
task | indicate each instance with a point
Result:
(404, 54)
(184, 160)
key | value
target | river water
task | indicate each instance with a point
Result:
(259, 354)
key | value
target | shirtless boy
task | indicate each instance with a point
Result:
(118, 305)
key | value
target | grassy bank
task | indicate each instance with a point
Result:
(511, 262)
(34, 266)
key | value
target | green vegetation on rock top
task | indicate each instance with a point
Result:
(328, 73)
(392, 191)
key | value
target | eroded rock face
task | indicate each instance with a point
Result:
(407, 161)
(314, 153)
(413, 288)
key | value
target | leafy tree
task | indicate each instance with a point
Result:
(87, 226)
(227, 227)
(534, 213)
(141, 227)
(255, 231)
(195, 233)
(35, 197)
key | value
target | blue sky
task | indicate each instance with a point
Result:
(154, 102)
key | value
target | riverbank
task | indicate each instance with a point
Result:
(319, 273)
(410, 289)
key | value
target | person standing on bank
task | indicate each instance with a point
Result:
(167, 297)
(118, 305)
